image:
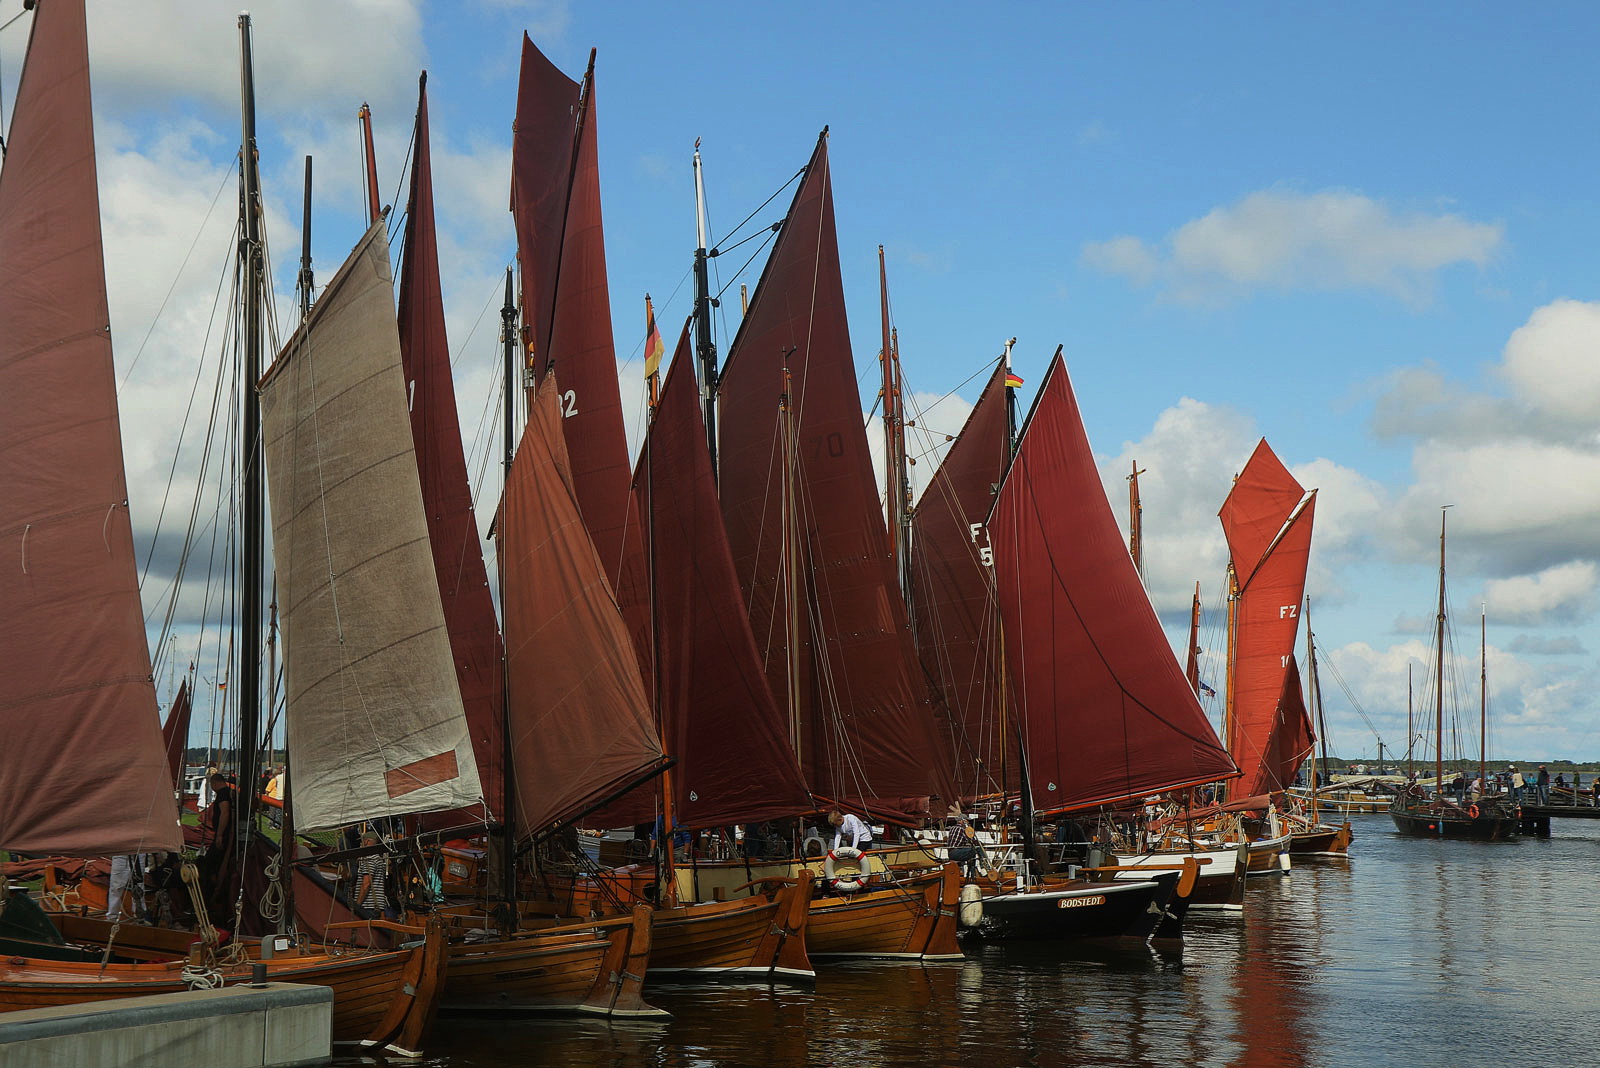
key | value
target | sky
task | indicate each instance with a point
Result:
(1363, 232)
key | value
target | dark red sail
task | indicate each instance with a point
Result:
(85, 773)
(446, 489)
(1106, 712)
(1267, 518)
(718, 718)
(867, 728)
(566, 302)
(542, 151)
(957, 625)
(581, 726)
(175, 732)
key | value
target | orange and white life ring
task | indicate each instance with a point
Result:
(1472, 810)
(848, 884)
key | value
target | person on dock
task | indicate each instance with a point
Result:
(1542, 780)
(848, 823)
(1517, 783)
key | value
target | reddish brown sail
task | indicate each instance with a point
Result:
(581, 727)
(85, 773)
(719, 720)
(566, 302)
(1267, 519)
(441, 463)
(957, 624)
(1291, 738)
(1105, 709)
(866, 724)
(175, 732)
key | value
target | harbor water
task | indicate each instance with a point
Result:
(1415, 952)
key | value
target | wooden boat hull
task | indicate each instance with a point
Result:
(912, 921)
(1266, 856)
(379, 999)
(594, 968)
(1490, 825)
(1116, 910)
(1322, 841)
(758, 937)
(1219, 886)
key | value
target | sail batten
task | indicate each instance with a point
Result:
(867, 725)
(1105, 709)
(77, 702)
(375, 723)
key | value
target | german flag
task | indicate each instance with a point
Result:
(654, 349)
(1013, 380)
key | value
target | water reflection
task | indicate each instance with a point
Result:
(1411, 948)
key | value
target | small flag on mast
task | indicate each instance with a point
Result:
(1013, 380)
(653, 347)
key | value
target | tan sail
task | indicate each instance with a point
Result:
(375, 721)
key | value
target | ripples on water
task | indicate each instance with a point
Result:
(1414, 952)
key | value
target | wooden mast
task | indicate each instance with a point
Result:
(1322, 728)
(1409, 727)
(252, 271)
(508, 821)
(1228, 683)
(705, 348)
(896, 485)
(1191, 665)
(1438, 686)
(1483, 693)
(1135, 520)
(370, 165)
(791, 563)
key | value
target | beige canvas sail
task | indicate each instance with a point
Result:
(375, 721)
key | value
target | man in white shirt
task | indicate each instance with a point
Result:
(848, 824)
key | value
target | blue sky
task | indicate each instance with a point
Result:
(1362, 231)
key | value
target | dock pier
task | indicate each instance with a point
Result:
(267, 1025)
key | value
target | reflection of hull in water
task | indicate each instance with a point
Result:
(1441, 820)
(1080, 910)
(916, 920)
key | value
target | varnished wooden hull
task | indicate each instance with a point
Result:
(594, 968)
(1219, 886)
(1322, 841)
(914, 921)
(1266, 854)
(379, 999)
(758, 937)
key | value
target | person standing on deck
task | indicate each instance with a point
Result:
(1517, 783)
(217, 840)
(127, 875)
(372, 877)
(1543, 783)
(848, 823)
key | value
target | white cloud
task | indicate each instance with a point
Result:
(1281, 239)
(323, 58)
(1550, 361)
(1565, 592)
